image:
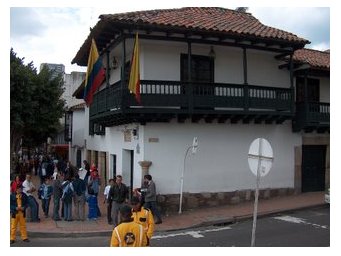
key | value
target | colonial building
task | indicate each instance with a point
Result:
(212, 73)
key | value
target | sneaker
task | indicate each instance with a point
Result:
(12, 242)
(26, 240)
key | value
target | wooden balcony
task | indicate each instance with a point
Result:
(163, 100)
(312, 116)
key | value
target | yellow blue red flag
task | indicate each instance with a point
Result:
(95, 74)
(134, 78)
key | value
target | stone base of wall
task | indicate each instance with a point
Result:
(170, 203)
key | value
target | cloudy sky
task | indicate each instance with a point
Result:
(54, 35)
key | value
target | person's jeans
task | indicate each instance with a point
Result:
(98, 210)
(115, 209)
(152, 206)
(45, 203)
(109, 216)
(79, 207)
(68, 211)
(56, 206)
(33, 204)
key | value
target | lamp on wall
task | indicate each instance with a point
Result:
(211, 53)
(114, 63)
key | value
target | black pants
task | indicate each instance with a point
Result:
(109, 207)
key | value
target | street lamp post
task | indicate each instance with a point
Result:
(194, 149)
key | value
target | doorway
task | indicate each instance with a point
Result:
(313, 167)
(128, 169)
(79, 158)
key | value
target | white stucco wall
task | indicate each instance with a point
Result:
(220, 164)
(78, 127)
(325, 89)
(161, 61)
(263, 70)
(113, 143)
(78, 135)
(221, 160)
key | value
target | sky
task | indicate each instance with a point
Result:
(54, 35)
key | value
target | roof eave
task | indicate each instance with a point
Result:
(81, 56)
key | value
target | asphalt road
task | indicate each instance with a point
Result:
(308, 228)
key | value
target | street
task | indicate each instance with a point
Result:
(306, 228)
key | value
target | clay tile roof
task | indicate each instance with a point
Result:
(206, 18)
(78, 106)
(316, 59)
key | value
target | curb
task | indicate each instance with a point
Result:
(222, 221)
(68, 234)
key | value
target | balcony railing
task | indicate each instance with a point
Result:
(312, 116)
(192, 98)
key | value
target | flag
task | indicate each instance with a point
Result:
(134, 78)
(95, 74)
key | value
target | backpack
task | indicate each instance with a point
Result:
(68, 192)
(40, 191)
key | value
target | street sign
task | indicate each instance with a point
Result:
(260, 159)
(195, 145)
(260, 156)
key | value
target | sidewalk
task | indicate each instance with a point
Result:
(188, 219)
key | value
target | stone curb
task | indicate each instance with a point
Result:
(222, 221)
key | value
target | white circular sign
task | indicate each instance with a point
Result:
(260, 156)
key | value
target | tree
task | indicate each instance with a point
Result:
(36, 104)
(48, 108)
(22, 87)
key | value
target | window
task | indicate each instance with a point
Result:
(202, 68)
(313, 87)
(127, 71)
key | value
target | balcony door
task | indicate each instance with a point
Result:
(202, 69)
(313, 90)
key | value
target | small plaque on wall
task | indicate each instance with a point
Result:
(153, 140)
(127, 136)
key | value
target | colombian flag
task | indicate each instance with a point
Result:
(95, 74)
(134, 78)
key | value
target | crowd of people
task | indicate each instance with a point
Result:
(133, 220)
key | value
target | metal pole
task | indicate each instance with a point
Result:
(255, 209)
(182, 179)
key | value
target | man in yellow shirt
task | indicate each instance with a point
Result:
(143, 216)
(128, 233)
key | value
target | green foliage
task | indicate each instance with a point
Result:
(36, 104)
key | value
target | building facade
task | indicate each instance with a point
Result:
(226, 83)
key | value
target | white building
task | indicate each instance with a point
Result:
(71, 83)
(211, 73)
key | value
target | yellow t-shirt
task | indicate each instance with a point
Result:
(145, 218)
(128, 234)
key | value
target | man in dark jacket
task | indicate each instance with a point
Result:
(57, 194)
(150, 197)
(118, 194)
(79, 188)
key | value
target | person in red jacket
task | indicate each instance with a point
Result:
(15, 183)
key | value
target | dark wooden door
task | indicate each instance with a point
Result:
(313, 168)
